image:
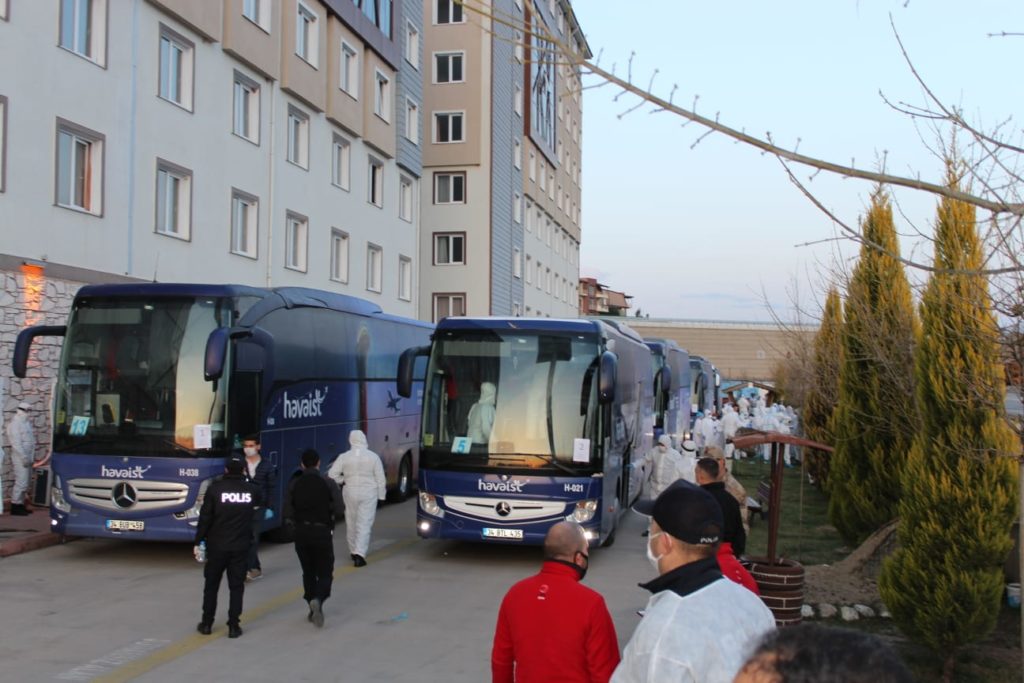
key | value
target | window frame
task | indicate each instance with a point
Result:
(253, 203)
(4, 104)
(262, 18)
(517, 100)
(97, 148)
(253, 96)
(412, 121)
(404, 278)
(451, 56)
(187, 69)
(451, 175)
(349, 70)
(517, 263)
(302, 144)
(185, 186)
(341, 166)
(517, 208)
(383, 96)
(517, 154)
(436, 128)
(375, 181)
(448, 295)
(450, 236)
(292, 220)
(452, 7)
(374, 268)
(307, 17)
(96, 52)
(340, 237)
(406, 204)
(412, 45)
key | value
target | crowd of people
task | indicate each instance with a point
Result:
(714, 429)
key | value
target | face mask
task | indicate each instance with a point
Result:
(250, 451)
(652, 558)
(583, 570)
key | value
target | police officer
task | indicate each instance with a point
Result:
(312, 504)
(225, 524)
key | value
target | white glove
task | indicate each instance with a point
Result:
(195, 552)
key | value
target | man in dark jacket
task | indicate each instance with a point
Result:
(708, 473)
(312, 504)
(225, 524)
(261, 473)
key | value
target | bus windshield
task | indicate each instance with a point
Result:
(511, 398)
(131, 379)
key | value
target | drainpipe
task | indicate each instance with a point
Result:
(133, 93)
(270, 190)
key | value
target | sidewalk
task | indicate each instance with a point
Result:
(22, 534)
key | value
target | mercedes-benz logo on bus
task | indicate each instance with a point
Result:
(503, 509)
(124, 494)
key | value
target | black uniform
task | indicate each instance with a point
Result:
(225, 523)
(312, 504)
(733, 531)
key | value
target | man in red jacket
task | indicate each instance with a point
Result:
(552, 628)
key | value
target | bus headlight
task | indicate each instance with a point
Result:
(584, 511)
(428, 503)
(57, 497)
(193, 512)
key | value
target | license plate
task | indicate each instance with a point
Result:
(503, 533)
(125, 524)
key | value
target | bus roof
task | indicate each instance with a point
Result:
(582, 325)
(158, 289)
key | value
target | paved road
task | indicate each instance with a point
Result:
(420, 611)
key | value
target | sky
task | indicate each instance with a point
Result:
(711, 231)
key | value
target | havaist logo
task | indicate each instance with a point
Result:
(137, 472)
(513, 486)
(309, 405)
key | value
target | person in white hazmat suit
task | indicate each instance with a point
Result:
(361, 475)
(730, 423)
(481, 415)
(688, 454)
(664, 465)
(22, 441)
(698, 429)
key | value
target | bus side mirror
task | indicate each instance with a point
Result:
(217, 350)
(665, 379)
(216, 354)
(606, 383)
(406, 363)
(19, 362)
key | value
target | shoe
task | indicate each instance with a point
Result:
(309, 617)
(234, 630)
(253, 574)
(19, 511)
(359, 561)
(353, 556)
(204, 628)
(317, 612)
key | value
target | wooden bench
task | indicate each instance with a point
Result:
(760, 504)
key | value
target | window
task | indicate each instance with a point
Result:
(405, 199)
(449, 248)
(173, 200)
(447, 305)
(374, 267)
(533, 166)
(529, 216)
(3, 140)
(540, 275)
(547, 280)
(298, 137)
(258, 12)
(375, 186)
(412, 122)
(306, 34)
(246, 119)
(382, 97)
(244, 224)
(449, 188)
(517, 154)
(543, 177)
(349, 70)
(517, 208)
(517, 45)
(448, 12)
(83, 28)
(517, 100)
(551, 185)
(405, 278)
(341, 163)
(517, 309)
(3, 10)
(339, 256)
(176, 60)
(558, 197)
(378, 12)
(517, 262)
(79, 168)
(412, 45)
(448, 127)
(448, 67)
(296, 232)
(529, 269)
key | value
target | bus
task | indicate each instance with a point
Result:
(158, 383)
(527, 422)
(671, 367)
(705, 382)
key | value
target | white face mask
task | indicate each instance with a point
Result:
(652, 558)
(250, 451)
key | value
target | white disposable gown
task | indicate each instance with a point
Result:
(665, 465)
(481, 415)
(730, 423)
(360, 472)
(22, 441)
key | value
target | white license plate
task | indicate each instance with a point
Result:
(503, 533)
(125, 525)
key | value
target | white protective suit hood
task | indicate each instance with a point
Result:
(488, 393)
(665, 441)
(357, 440)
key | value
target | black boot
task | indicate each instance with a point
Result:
(359, 561)
(19, 510)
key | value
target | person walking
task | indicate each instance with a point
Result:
(311, 505)
(225, 526)
(361, 475)
(697, 625)
(22, 440)
(664, 466)
(263, 475)
(550, 626)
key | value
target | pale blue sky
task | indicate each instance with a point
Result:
(701, 233)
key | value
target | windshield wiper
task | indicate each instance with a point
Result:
(543, 456)
(178, 446)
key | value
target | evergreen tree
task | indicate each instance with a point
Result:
(875, 417)
(823, 393)
(943, 585)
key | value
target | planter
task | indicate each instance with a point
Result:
(782, 587)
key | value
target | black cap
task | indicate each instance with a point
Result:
(234, 466)
(687, 512)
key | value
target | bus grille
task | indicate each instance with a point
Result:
(517, 510)
(148, 495)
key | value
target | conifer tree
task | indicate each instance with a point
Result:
(875, 417)
(823, 392)
(943, 585)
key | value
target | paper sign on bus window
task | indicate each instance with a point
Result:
(202, 436)
(428, 440)
(461, 444)
(581, 450)
(79, 425)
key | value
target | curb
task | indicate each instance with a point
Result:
(35, 541)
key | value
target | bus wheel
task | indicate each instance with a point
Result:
(404, 484)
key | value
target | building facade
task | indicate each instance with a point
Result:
(259, 142)
(501, 159)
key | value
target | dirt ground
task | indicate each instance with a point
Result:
(854, 579)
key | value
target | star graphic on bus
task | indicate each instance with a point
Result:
(393, 401)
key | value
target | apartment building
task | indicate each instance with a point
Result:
(259, 142)
(500, 195)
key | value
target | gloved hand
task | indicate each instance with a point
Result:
(268, 514)
(195, 552)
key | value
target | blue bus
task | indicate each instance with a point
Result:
(158, 383)
(671, 366)
(527, 422)
(704, 387)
